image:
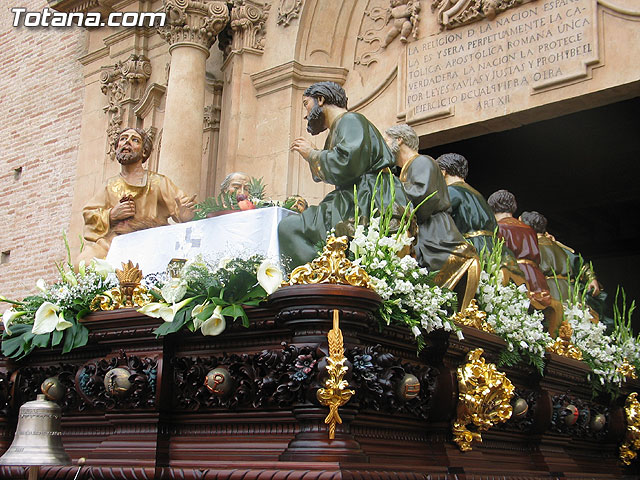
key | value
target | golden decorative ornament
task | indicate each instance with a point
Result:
(335, 394)
(472, 316)
(331, 267)
(129, 294)
(563, 345)
(484, 399)
(631, 444)
(627, 370)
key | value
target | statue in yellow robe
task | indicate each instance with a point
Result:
(133, 200)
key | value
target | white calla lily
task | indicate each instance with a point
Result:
(163, 310)
(8, 317)
(174, 290)
(269, 276)
(47, 319)
(215, 324)
(101, 267)
(41, 285)
(82, 268)
(62, 323)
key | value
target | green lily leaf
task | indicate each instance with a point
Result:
(69, 335)
(41, 340)
(56, 337)
(236, 311)
(81, 337)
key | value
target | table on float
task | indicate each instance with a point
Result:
(241, 233)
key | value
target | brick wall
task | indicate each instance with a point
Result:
(41, 94)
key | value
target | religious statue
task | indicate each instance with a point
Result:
(133, 200)
(473, 215)
(403, 16)
(353, 155)
(236, 182)
(561, 264)
(522, 240)
(439, 244)
(469, 210)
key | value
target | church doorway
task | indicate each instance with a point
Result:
(581, 171)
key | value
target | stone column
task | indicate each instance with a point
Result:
(191, 28)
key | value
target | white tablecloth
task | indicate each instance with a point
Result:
(236, 234)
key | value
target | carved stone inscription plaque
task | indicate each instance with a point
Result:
(490, 68)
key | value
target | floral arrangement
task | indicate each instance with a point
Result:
(612, 358)
(203, 297)
(410, 297)
(52, 316)
(507, 308)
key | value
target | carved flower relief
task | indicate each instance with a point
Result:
(288, 10)
(304, 365)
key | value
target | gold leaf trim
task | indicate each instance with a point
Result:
(335, 394)
(563, 345)
(472, 316)
(128, 295)
(484, 399)
(631, 444)
(331, 267)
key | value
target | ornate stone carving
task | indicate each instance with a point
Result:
(90, 382)
(197, 23)
(454, 13)
(484, 396)
(331, 267)
(248, 20)
(287, 11)
(402, 17)
(123, 84)
(383, 22)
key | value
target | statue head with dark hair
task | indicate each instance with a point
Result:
(535, 220)
(503, 201)
(454, 164)
(132, 145)
(321, 94)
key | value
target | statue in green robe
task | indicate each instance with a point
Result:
(439, 244)
(561, 265)
(353, 155)
(472, 214)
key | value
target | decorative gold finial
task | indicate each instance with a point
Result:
(335, 394)
(331, 267)
(563, 345)
(129, 294)
(472, 316)
(631, 444)
(484, 399)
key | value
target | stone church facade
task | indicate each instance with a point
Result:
(220, 86)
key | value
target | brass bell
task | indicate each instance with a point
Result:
(38, 438)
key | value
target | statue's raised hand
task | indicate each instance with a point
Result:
(185, 211)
